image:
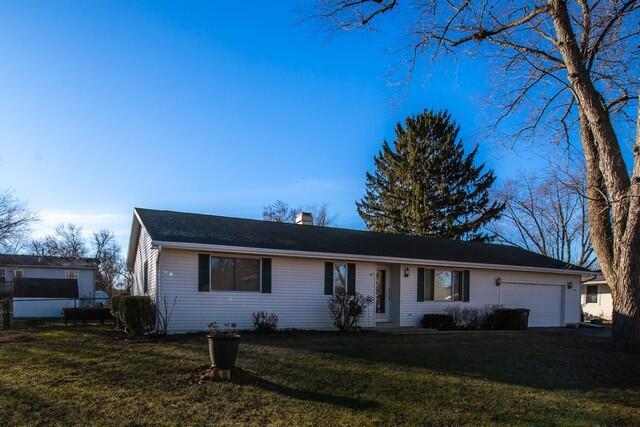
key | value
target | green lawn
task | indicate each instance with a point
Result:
(81, 375)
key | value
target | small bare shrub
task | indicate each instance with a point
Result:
(346, 310)
(264, 322)
(472, 318)
(464, 318)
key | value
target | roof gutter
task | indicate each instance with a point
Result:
(352, 257)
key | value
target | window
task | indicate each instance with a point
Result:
(592, 294)
(339, 277)
(72, 274)
(145, 277)
(17, 274)
(447, 285)
(235, 274)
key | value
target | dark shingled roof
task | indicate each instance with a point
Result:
(35, 287)
(47, 261)
(169, 226)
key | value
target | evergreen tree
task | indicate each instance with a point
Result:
(425, 184)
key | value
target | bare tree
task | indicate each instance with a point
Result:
(111, 264)
(67, 241)
(280, 211)
(546, 215)
(321, 215)
(15, 222)
(565, 66)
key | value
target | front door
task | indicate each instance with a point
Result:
(382, 295)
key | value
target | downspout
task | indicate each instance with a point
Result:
(158, 277)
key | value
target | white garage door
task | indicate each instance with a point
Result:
(543, 301)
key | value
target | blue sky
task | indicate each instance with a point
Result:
(213, 107)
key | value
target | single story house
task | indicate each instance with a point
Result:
(596, 297)
(41, 286)
(224, 269)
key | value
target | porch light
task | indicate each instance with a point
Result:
(498, 281)
(570, 285)
(406, 272)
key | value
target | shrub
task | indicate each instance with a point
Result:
(346, 310)
(464, 317)
(441, 322)
(264, 322)
(136, 315)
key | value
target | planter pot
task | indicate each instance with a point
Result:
(223, 350)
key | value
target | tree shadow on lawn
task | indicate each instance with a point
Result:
(244, 377)
(539, 359)
(13, 398)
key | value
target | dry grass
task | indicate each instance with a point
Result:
(69, 376)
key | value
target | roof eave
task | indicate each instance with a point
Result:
(369, 258)
(134, 237)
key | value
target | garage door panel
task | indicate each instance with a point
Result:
(543, 301)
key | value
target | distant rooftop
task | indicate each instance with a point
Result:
(46, 261)
(169, 226)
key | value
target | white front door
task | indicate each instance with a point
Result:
(382, 295)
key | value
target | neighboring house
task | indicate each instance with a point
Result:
(41, 286)
(223, 269)
(596, 297)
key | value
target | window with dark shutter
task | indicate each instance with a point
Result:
(203, 273)
(351, 279)
(420, 284)
(429, 280)
(266, 275)
(328, 278)
(465, 285)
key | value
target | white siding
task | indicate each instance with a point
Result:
(482, 292)
(41, 307)
(145, 252)
(297, 294)
(604, 307)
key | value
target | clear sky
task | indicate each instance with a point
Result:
(212, 107)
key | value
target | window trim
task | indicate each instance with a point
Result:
(459, 272)
(258, 258)
(597, 295)
(15, 274)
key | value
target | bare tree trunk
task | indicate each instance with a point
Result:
(612, 197)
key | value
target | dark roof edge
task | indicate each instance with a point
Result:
(137, 218)
(356, 257)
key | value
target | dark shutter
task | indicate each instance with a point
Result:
(431, 283)
(266, 275)
(420, 284)
(203, 272)
(328, 278)
(351, 279)
(465, 286)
